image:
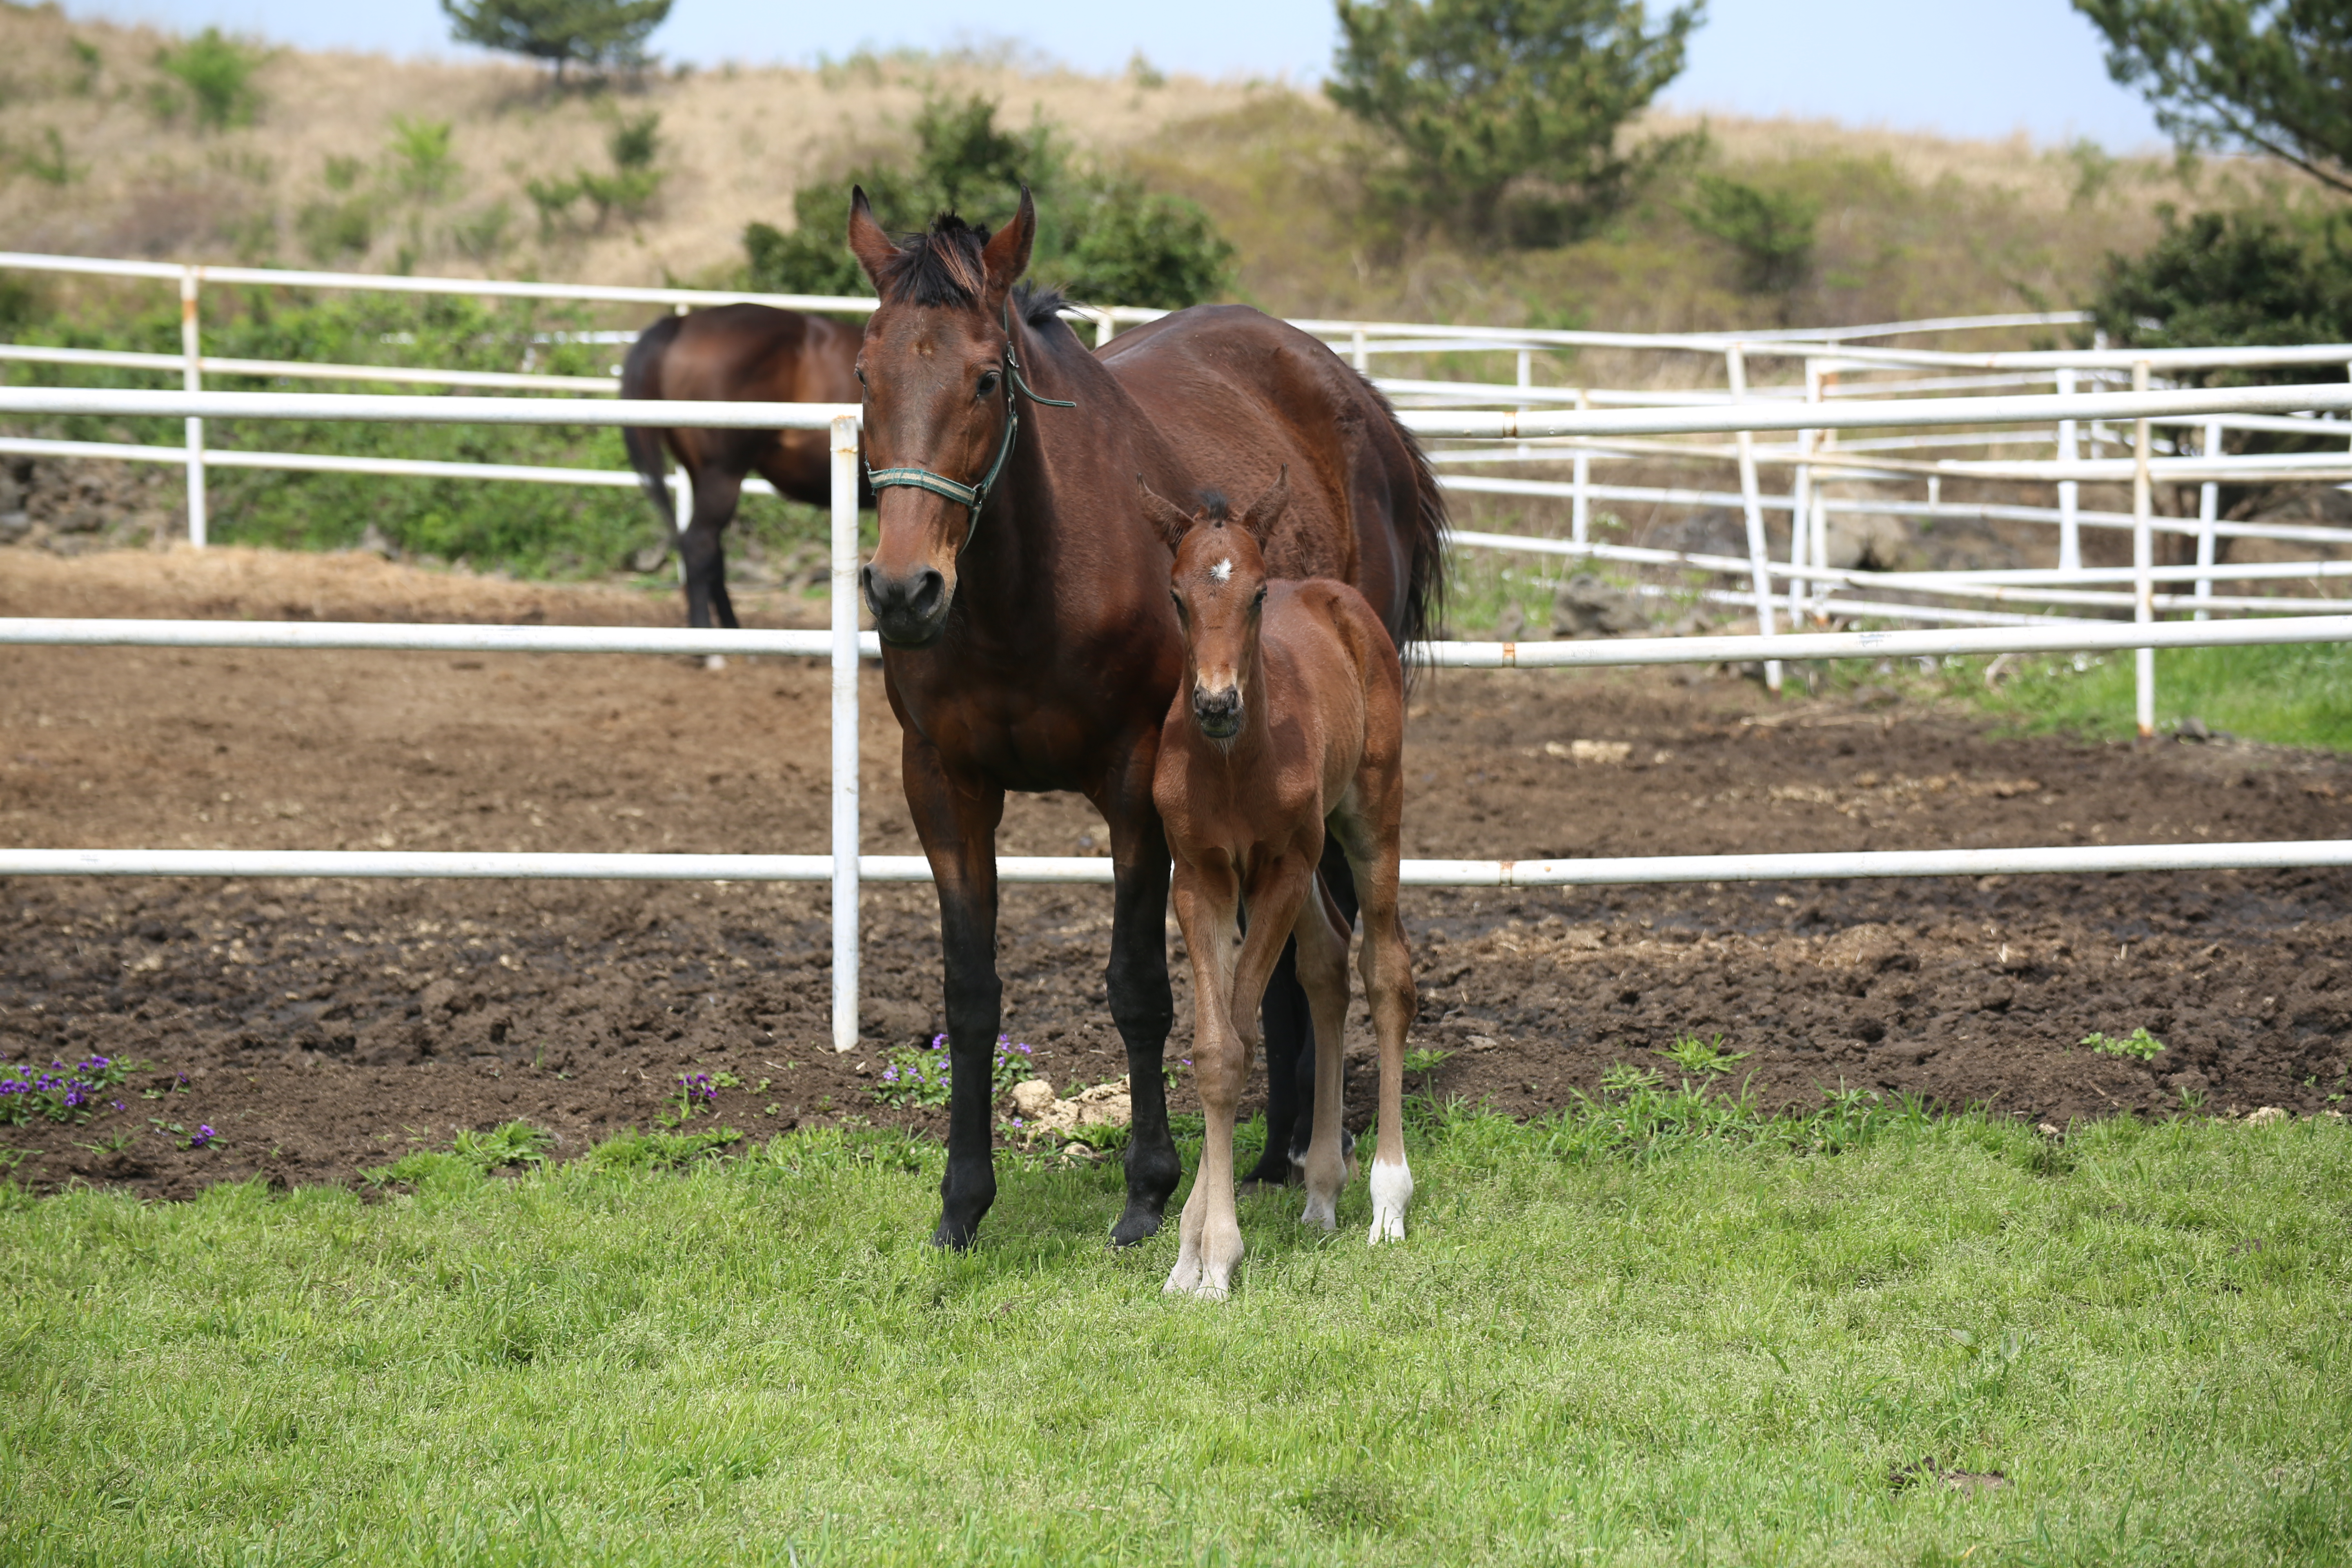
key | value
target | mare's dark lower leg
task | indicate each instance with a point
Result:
(1289, 1031)
(716, 493)
(956, 819)
(1143, 1007)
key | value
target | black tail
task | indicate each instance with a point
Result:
(1426, 578)
(645, 446)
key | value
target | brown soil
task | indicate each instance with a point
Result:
(324, 1027)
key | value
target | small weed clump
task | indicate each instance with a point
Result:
(2139, 1044)
(922, 1077)
(58, 1093)
(470, 1157)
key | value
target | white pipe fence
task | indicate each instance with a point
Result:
(1815, 413)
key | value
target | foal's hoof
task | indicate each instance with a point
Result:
(1136, 1225)
(1273, 1170)
(1322, 1211)
(952, 1237)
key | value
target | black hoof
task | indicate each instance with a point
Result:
(952, 1237)
(1136, 1225)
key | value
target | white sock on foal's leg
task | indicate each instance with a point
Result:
(1391, 1191)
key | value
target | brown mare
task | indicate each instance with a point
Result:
(1028, 641)
(735, 353)
(1289, 721)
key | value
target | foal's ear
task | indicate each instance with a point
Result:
(1006, 257)
(1167, 522)
(1267, 510)
(874, 251)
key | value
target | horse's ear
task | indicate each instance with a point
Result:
(1006, 257)
(1267, 510)
(1170, 523)
(874, 251)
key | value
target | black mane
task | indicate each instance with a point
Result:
(943, 266)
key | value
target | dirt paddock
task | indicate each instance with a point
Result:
(322, 1027)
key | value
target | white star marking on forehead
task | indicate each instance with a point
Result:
(1223, 572)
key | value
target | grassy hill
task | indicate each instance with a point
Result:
(102, 156)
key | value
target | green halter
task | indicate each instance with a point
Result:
(974, 496)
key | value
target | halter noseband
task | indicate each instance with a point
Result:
(974, 497)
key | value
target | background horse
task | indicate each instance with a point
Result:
(1289, 721)
(1021, 599)
(735, 353)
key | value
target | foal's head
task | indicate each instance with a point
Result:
(1219, 586)
(933, 367)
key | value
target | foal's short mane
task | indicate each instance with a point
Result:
(943, 266)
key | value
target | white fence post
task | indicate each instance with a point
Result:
(1801, 490)
(2209, 512)
(191, 355)
(681, 506)
(845, 734)
(2070, 526)
(1580, 514)
(1527, 378)
(2143, 563)
(1735, 365)
(1361, 355)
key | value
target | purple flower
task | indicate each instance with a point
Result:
(204, 1137)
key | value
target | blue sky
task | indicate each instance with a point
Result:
(1986, 67)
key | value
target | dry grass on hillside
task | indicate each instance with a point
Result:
(734, 144)
(1911, 225)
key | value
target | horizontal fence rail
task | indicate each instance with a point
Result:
(2070, 636)
(2092, 859)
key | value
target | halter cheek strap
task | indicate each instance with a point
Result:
(974, 496)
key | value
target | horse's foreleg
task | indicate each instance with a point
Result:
(1209, 1233)
(1141, 1004)
(717, 487)
(956, 819)
(1321, 935)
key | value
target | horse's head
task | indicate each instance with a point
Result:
(1219, 586)
(939, 414)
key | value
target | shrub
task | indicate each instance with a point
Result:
(560, 32)
(1508, 112)
(1104, 237)
(215, 72)
(1771, 233)
(2224, 279)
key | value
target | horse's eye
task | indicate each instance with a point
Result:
(1260, 599)
(987, 382)
(861, 375)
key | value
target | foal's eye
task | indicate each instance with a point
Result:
(1258, 601)
(859, 371)
(987, 382)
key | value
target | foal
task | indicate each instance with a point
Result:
(1289, 721)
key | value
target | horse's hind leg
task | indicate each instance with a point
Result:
(717, 487)
(1387, 965)
(1322, 938)
(1289, 1033)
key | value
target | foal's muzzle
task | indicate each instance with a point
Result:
(1219, 713)
(909, 610)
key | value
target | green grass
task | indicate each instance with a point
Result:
(1616, 1337)
(2291, 695)
(2294, 694)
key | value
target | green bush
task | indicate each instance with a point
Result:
(531, 529)
(1770, 232)
(1104, 237)
(215, 72)
(1508, 113)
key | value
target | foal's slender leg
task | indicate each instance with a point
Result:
(1207, 902)
(1141, 1004)
(1322, 945)
(717, 487)
(956, 818)
(1228, 1016)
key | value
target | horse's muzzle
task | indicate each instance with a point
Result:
(1219, 714)
(910, 611)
